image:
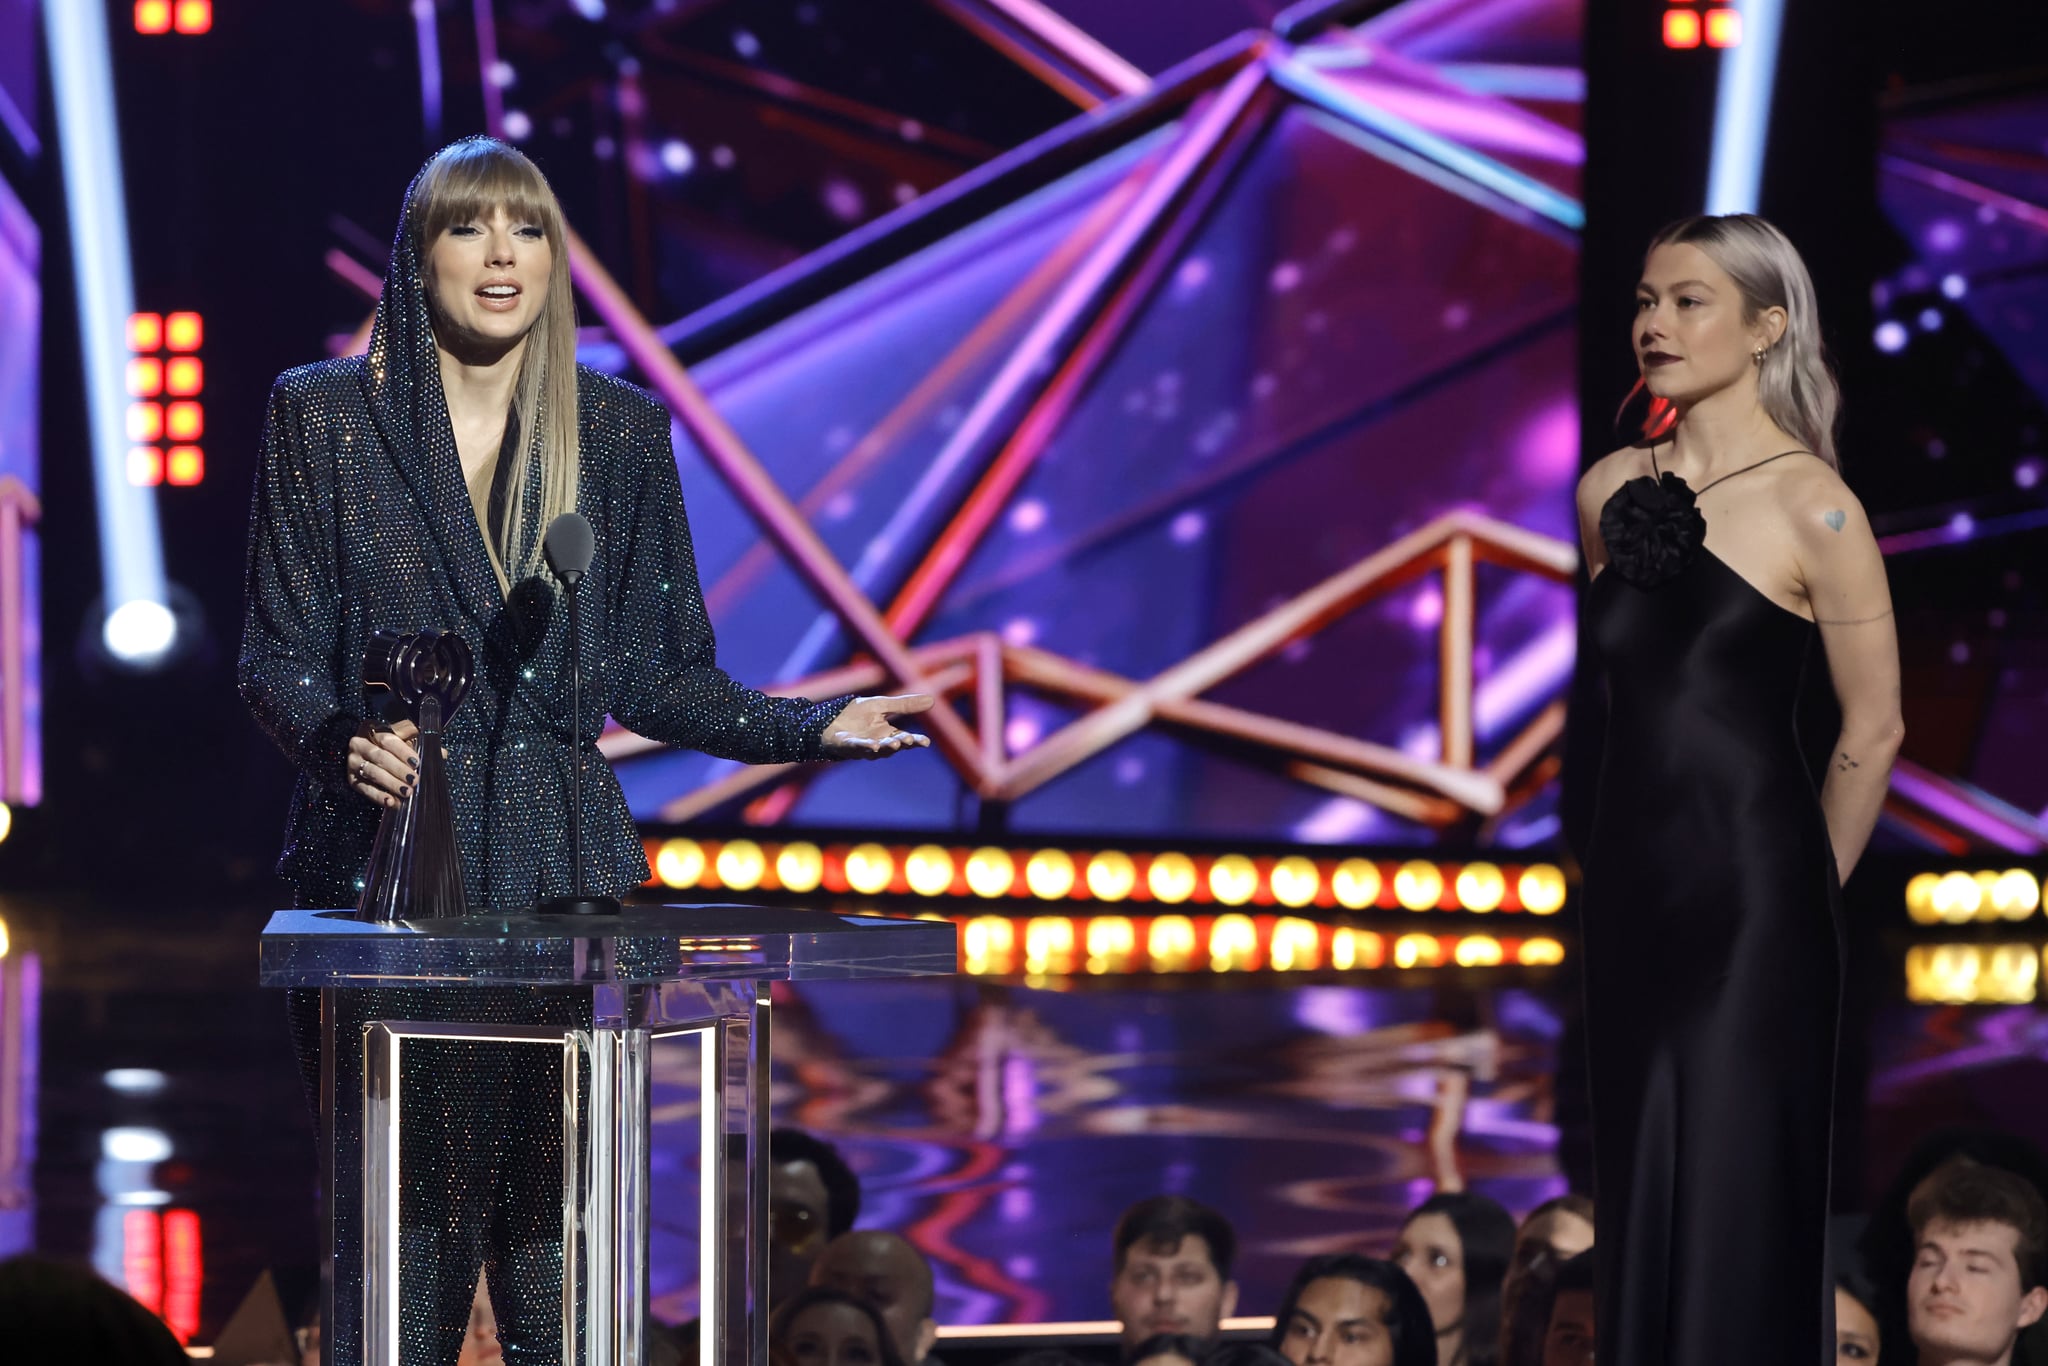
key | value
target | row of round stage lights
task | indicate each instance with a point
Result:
(1958, 898)
(990, 872)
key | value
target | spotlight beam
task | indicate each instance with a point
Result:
(1742, 110)
(82, 88)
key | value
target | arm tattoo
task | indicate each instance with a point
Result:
(1843, 763)
(1851, 621)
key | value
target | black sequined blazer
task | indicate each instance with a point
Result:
(361, 522)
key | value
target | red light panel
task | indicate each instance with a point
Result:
(152, 16)
(142, 1260)
(145, 466)
(1681, 28)
(1724, 28)
(145, 421)
(185, 421)
(185, 465)
(183, 332)
(145, 377)
(195, 16)
(145, 331)
(184, 376)
(184, 1269)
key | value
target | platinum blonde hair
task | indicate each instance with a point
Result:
(472, 179)
(1795, 383)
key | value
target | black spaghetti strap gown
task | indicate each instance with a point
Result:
(1712, 959)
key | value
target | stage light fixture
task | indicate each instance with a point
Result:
(1233, 879)
(1478, 951)
(145, 377)
(1049, 946)
(194, 16)
(1538, 953)
(142, 1252)
(991, 872)
(987, 944)
(139, 631)
(2014, 894)
(1418, 885)
(185, 420)
(134, 1081)
(1296, 945)
(928, 870)
(145, 421)
(1356, 884)
(1171, 878)
(145, 466)
(1170, 943)
(1481, 887)
(1418, 951)
(1111, 941)
(1111, 875)
(152, 16)
(6, 829)
(869, 869)
(1295, 882)
(184, 466)
(1957, 897)
(741, 865)
(1724, 28)
(1972, 974)
(800, 867)
(184, 1272)
(1541, 889)
(1233, 943)
(680, 863)
(1049, 874)
(184, 376)
(1681, 28)
(1920, 899)
(184, 331)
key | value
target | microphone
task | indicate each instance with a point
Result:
(569, 545)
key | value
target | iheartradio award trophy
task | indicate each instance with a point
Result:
(415, 870)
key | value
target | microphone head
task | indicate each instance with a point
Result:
(569, 546)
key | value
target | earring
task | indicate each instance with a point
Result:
(1758, 354)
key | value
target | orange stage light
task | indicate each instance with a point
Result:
(152, 16)
(145, 331)
(145, 377)
(185, 420)
(185, 465)
(145, 466)
(184, 376)
(1724, 28)
(184, 331)
(195, 16)
(145, 421)
(1681, 28)
(184, 1272)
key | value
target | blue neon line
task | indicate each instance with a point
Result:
(88, 138)
(1483, 170)
(427, 32)
(1514, 81)
(1742, 110)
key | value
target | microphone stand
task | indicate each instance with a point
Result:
(578, 901)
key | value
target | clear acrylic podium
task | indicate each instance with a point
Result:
(459, 1052)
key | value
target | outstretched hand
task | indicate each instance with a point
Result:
(866, 728)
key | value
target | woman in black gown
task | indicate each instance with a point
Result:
(410, 489)
(1724, 550)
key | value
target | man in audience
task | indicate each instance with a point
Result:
(1569, 1339)
(1980, 1268)
(1173, 1258)
(885, 1271)
(813, 1197)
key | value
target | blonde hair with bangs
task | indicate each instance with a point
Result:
(471, 179)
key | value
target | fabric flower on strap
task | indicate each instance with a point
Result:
(1652, 529)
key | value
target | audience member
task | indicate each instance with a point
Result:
(1555, 1231)
(55, 1314)
(1568, 1338)
(1172, 1270)
(1348, 1310)
(813, 1197)
(1980, 1272)
(1168, 1349)
(886, 1271)
(1887, 1248)
(825, 1327)
(1455, 1247)
(1856, 1335)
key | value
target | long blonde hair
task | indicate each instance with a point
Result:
(1794, 383)
(471, 179)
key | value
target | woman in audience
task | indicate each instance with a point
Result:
(1456, 1247)
(1348, 1310)
(1555, 1231)
(826, 1327)
(1167, 1349)
(1856, 1336)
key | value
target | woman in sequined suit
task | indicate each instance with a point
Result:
(410, 489)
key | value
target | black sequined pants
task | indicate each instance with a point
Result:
(481, 1170)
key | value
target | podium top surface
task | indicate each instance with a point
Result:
(644, 944)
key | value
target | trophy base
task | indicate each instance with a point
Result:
(579, 905)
